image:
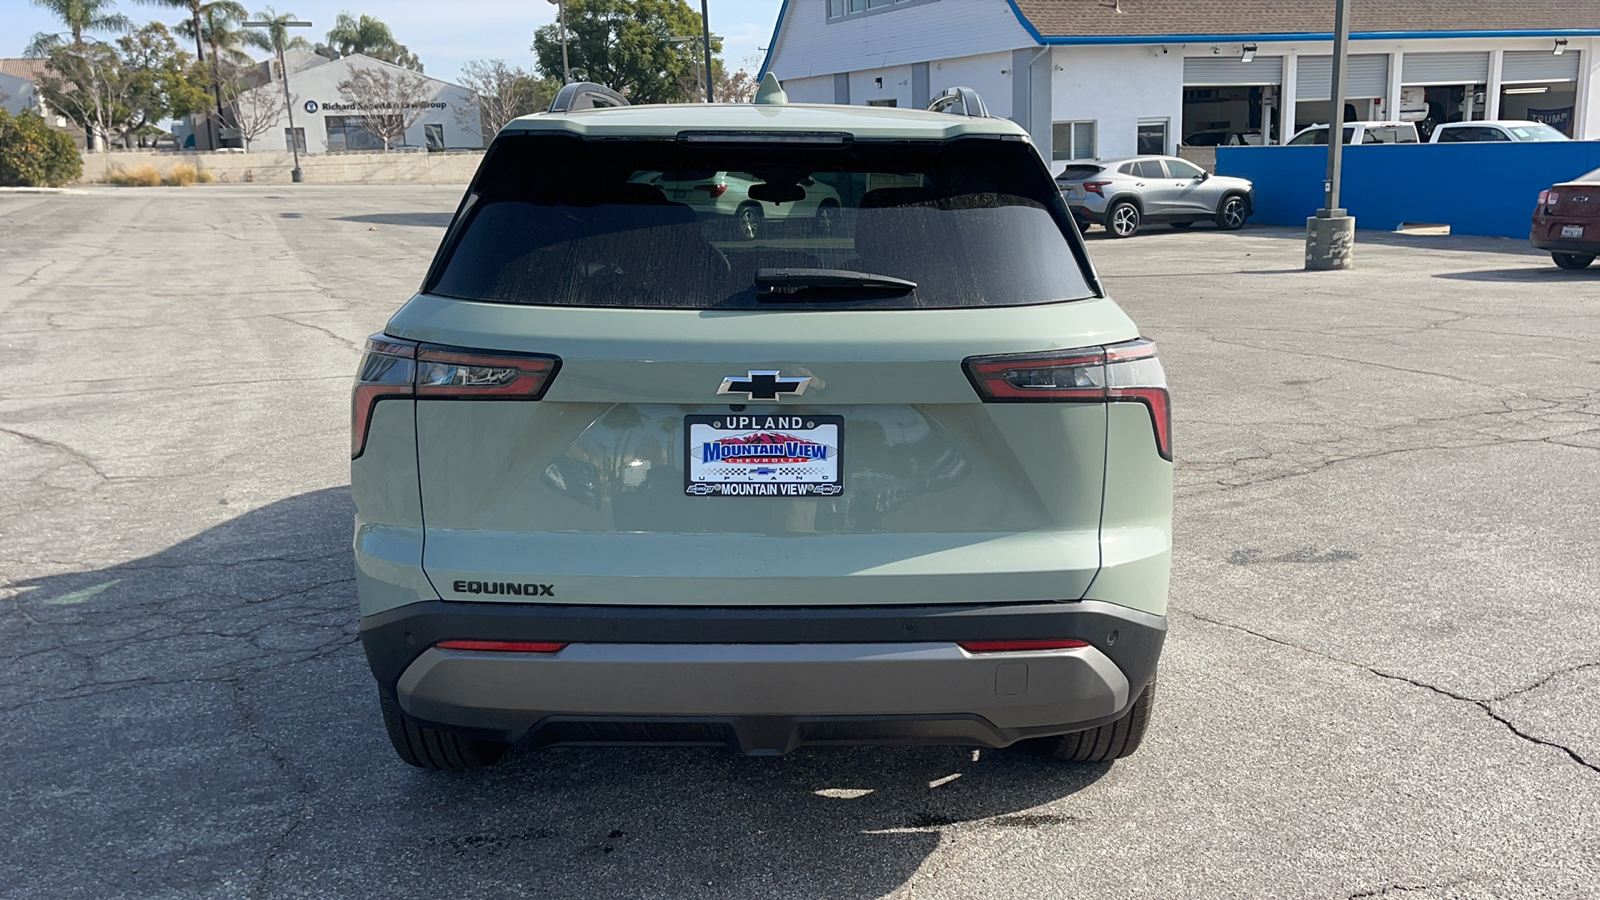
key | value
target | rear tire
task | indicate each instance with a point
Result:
(1116, 740)
(1233, 212)
(1122, 219)
(747, 221)
(1573, 261)
(828, 218)
(432, 749)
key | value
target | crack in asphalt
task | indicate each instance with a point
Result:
(1484, 705)
(59, 447)
(353, 345)
(1390, 889)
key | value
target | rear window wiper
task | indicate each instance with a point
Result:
(778, 284)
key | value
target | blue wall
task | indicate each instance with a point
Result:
(1487, 189)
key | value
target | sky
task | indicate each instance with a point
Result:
(444, 33)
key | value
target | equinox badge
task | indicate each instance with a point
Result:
(764, 384)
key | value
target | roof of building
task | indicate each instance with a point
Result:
(667, 120)
(1125, 19)
(24, 68)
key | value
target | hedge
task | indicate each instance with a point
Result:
(32, 154)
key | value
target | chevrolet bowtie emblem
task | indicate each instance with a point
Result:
(764, 384)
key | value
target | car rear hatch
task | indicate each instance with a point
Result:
(693, 421)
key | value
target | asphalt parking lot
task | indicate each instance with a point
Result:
(1382, 677)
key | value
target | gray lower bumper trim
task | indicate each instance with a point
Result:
(764, 692)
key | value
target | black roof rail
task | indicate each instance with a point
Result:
(585, 95)
(959, 101)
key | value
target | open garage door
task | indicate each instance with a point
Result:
(1366, 81)
(1541, 86)
(1443, 87)
(1229, 101)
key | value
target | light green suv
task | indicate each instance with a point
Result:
(622, 476)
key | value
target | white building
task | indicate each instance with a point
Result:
(1107, 78)
(19, 92)
(326, 121)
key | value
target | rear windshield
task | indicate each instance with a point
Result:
(1079, 173)
(561, 221)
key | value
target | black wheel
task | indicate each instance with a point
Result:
(1122, 219)
(1232, 213)
(1181, 226)
(430, 748)
(1116, 740)
(1573, 261)
(828, 220)
(747, 221)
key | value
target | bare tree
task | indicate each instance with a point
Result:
(504, 93)
(257, 112)
(386, 101)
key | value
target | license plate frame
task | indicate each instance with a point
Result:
(807, 460)
(1572, 231)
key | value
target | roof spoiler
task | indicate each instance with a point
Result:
(585, 95)
(959, 101)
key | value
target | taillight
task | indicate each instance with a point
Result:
(715, 190)
(469, 374)
(400, 368)
(1551, 198)
(1019, 646)
(1096, 187)
(1125, 372)
(1544, 197)
(503, 646)
(387, 370)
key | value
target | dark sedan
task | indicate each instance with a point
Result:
(1567, 222)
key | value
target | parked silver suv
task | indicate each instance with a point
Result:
(1126, 194)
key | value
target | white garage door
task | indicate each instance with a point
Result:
(1539, 65)
(1470, 67)
(1367, 77)
(1224, 71)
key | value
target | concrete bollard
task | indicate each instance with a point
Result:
(1330, 240)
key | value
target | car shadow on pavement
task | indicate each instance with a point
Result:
(208, 712)
(1532, 273)
(418, 220)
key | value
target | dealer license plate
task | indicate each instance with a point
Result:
(1572, 231)
(762, 455)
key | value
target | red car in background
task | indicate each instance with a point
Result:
(1567, 222)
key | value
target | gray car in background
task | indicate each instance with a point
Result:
(1125, 194)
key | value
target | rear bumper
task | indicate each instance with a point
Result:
(765, 680)
(1546, 235)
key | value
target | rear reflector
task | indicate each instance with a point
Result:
(1019, 646)
(503, 646)
(1126, 372)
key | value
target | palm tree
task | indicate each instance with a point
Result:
(79, 16)
(216, 25)
(276, 37)
(369, 37)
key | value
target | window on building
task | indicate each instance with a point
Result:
(1072, 140)
(1153, 136)
(346, 133)
(294, 139)
(888, 102)
(433, 136)
(844, 9)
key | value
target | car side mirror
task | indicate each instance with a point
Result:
(1204, 175)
